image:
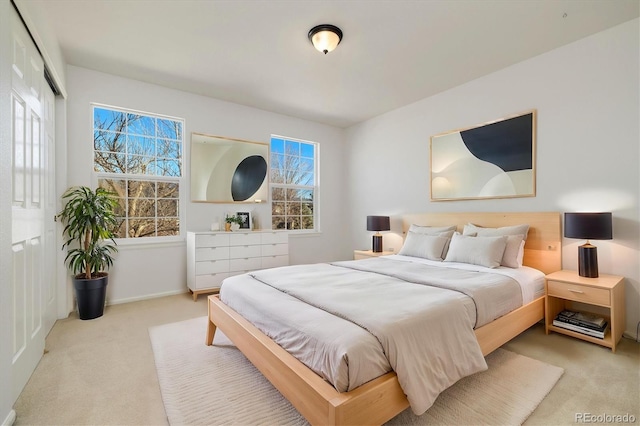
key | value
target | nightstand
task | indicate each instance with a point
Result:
(364, 254)
(562, 288)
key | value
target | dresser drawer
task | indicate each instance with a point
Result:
(212, 266)
(212, 253)
(579, 293)
(275, 249)
(274, 261)
(236, 252)
(244, 239)
(210, 280)
(278, 237)
(210, 240)
(247, 264)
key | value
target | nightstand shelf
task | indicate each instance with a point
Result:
(607, 341)
(364, 254)
(563, 288)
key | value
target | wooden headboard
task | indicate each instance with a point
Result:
(543, 249)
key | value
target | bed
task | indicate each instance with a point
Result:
(380, 399)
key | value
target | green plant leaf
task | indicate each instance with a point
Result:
(88, 217)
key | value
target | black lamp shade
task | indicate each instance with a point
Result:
(588, 226)
(377, 223)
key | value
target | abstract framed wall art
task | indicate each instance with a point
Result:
(490, 160)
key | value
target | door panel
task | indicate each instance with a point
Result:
(18, 113)
(19, 298)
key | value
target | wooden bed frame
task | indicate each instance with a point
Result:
(381, 399)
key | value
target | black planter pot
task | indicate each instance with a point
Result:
(90, 295)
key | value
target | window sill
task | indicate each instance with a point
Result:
(301, 234)
(150, 242)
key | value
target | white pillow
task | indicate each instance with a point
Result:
(520, 254)
(517, 234)
(512, 251)
(431, 230)
(422, 245)
(448, 235)
(492, 232)
(443, 231)
(483, 251)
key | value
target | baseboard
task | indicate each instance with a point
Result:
(10, 419)
(145, 297)
(131, 299)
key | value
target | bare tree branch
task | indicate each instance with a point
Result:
(133, 144)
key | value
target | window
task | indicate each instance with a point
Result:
(138, 156)
(294, 184)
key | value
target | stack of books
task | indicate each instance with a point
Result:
(591, 325)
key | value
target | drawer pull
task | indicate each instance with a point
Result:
(575, 291)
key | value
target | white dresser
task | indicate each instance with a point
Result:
(214, 256)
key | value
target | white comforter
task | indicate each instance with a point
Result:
(424, 333)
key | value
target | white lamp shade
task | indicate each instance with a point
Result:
(325, 41)
(325, 37)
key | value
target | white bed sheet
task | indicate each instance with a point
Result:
(531, 280)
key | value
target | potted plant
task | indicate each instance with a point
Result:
(230, 221)
(89, 217)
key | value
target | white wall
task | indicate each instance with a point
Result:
(148, 270)
(587, 98)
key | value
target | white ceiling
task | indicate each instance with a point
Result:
(256, 53)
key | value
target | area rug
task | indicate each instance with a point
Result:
(217, 385)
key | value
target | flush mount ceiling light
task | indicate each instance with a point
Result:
(325, 37)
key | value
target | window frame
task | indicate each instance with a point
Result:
(180, 180)
(316, 185)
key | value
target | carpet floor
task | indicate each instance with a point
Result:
(217, 385)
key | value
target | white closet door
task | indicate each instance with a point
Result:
(31, 235)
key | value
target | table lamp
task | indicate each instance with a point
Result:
(589, 226)
(377, 223)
